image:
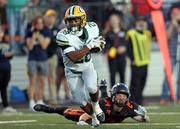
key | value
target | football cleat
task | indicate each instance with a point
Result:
(43, 108)
(95, 126)
(95, 123)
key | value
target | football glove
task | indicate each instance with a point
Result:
(102, 41)
(97, 42)
(141, 111)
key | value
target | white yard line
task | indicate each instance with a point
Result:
(42, 124)
(144, 124)
(164, 113)
(28, 114)
(152, 107)
(17, 121)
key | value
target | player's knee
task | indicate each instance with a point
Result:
(80, 102)
(92, 90)
(83, 104)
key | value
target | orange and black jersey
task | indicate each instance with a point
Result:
(73, 114)
(112, 116)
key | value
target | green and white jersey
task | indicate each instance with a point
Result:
(69, 42)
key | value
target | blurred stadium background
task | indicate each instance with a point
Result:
(156, 71)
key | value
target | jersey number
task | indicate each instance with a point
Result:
(91, 24)
(65, 32)
(86, 58)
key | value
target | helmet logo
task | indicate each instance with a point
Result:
(81, 10)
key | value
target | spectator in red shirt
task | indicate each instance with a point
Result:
(140, 7)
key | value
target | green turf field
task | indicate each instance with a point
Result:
(167, 117)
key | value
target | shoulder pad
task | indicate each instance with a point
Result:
(61, 39)
(94, 27)
(92, 24)
(64, 31)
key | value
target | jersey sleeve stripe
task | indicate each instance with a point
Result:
(61, 42)
(69, 49)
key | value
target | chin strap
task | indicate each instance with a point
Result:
(119, 105)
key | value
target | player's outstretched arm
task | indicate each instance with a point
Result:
(141, 119)
(141, 115)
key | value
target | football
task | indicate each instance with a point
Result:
(95, 50)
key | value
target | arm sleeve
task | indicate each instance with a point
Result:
(102, 105)
(135, 107)
(63, 42)
(132, 106)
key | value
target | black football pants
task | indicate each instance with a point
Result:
(138, 81)
(4, 80)
(117, 65)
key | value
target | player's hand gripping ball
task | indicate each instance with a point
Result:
(97, 49)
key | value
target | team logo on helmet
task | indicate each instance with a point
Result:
(82, 10)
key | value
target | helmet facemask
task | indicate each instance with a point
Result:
(74, 27)
(120, 99)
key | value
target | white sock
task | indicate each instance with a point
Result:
(31, 102)
(95, 103)
(93, 115)
(40, 101)
(95, 121)
(96, 107)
